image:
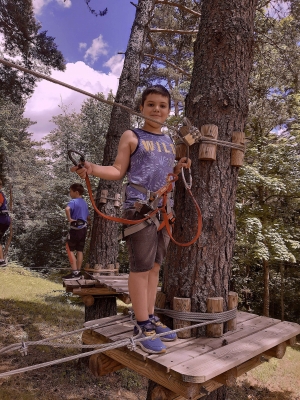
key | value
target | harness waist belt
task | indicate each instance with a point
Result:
(79, 224)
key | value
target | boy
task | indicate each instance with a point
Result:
(78, 215)
(4, 223)
(146, 156)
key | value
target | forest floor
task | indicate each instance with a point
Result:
(33, 307)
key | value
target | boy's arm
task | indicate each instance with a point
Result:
(68, 214)
(118, 170)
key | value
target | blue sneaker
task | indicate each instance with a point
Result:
(161, 328)
(153, 345)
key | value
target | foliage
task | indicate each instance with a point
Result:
(34, 49)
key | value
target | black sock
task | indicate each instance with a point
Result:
(142, 323)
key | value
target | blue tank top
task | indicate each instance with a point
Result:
(150, 164)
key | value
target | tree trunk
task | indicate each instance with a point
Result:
(103, 306)
(104, 241)
(266, 306)
(218, 95)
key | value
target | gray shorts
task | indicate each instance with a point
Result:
(146, 247)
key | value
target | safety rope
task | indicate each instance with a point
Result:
(112, 103)
(129, 342)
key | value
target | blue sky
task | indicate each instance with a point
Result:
(89, 44)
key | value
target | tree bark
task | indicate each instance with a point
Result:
(266, 306)
(218, 95)
(103, 306)
(104, 241)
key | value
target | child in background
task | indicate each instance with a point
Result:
(4, 223)
(78, 216)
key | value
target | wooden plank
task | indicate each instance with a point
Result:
(107, 320)
(94, 291)
(220, 360)
(194, 344)
(124, 357)
(119, 327)
(108, 278)
(86, 282)
(71, 284)
(244, 316)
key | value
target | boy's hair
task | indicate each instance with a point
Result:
(156, 89)
(77, 187)
(0, 182)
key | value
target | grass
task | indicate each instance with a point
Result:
(34, 307)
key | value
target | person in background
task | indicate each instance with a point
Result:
(77, 213)
(5, 222)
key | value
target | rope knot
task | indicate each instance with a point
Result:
(24, 349)
(131, 346)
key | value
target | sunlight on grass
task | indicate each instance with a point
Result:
(265, 371)
(19, 284)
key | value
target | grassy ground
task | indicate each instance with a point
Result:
(33, 307)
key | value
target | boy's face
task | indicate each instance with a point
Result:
(156, 107)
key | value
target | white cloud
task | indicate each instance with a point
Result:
(38, 5)
(82, 45)
(115, 63)
(64, 3)
(97, 48)
(44, 104)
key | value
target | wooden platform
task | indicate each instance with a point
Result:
(194, 367)
(101, 285)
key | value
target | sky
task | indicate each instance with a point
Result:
(90, 46)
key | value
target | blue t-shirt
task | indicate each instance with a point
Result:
(79, 209)
(150, 164)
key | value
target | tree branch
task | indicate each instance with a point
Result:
(170, 3)
(156, 30)
(169, 63)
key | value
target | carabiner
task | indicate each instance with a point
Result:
(188, 185)
(82, 159)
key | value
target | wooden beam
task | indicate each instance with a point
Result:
(277, 351)
(214, 305)
(94, 291)
(232, 303)
(101, 365)
(156, 374)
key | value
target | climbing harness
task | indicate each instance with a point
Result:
(150, 209)
(78, 224)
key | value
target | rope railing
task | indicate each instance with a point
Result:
(129, 342)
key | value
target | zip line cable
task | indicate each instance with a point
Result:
(112, 103)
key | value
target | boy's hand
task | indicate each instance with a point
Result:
(87, 169)
(184, 162)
